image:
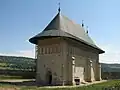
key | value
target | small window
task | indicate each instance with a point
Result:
(51, 50)
(45, 50)
(41, 50)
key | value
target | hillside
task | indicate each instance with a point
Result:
(25, 63)
(110, 67)
(17, 63)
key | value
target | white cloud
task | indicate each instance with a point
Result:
(111, 55)
(22, 53)
(28, 53)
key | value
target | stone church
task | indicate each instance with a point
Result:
(66, 55)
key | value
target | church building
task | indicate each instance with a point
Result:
(66, 55)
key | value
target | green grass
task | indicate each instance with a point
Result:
(3, 64)
(100, 86)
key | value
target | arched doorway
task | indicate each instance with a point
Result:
(49, 77)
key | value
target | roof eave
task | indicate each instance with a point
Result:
(101, 51)
(34, 40)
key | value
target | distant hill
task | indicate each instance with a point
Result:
(110, 67)
(25, 63)
(17, 63)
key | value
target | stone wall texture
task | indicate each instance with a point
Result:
(55, 55)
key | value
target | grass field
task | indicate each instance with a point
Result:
(100, 86)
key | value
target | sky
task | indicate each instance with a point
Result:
(22, 19)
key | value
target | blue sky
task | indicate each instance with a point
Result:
(22, 19)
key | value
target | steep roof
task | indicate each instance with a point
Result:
(64, 27)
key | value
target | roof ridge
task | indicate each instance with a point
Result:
(54, 23)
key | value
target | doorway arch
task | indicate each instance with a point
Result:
(49, 77)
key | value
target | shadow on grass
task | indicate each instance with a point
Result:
(26, 83)
(23, 83)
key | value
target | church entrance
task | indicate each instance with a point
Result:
(49, 77)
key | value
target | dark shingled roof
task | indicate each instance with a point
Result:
(61, 26)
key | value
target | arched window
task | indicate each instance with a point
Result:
(41, 50)
(50, 50)
(45, 50)
(55, 49)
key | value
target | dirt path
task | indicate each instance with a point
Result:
(8, 88)
(75, 85)
(31, 82)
